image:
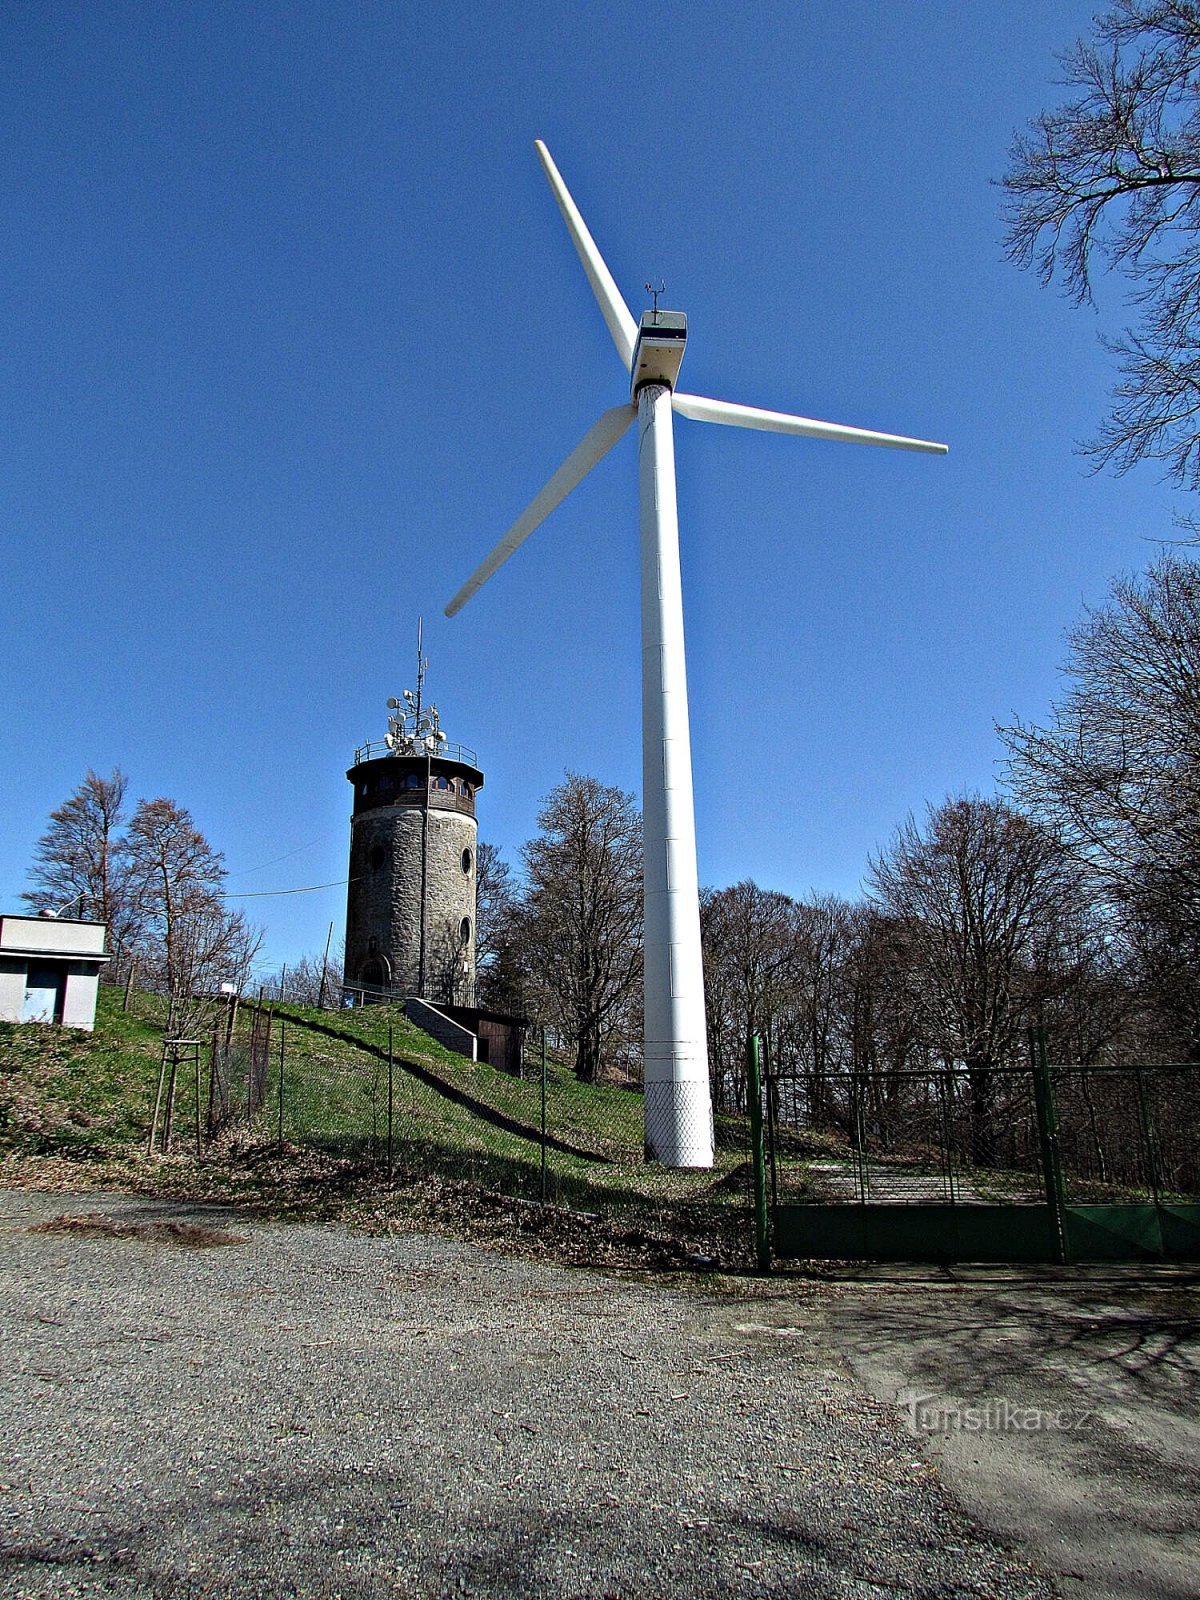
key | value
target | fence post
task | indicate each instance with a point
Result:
(771, 1089)
(282, 1058)
(391, 1060)
(543, 1113)
(162, 1078)
(945, 1090)
(762, 1237)
(199, 1146)
(215, 1078)
(1047, 1120)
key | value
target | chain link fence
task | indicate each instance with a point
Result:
(1129, 1133)
(961, 1137)
(366, 1089)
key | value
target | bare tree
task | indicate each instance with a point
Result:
(81, 863)
(750, 952)
(190, 940)
(1116, 169)
(581, 922)
(982, 894)
(822, 1033)
(496, 908)
(1117, 775)
(310, 981)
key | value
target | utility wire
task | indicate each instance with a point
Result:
(263, 894)
(243, 872)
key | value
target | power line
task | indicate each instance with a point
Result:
(311, 888)
(242, 872)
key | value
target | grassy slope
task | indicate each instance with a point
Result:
(434, 1134)
(71, 1093)
(81, 1103)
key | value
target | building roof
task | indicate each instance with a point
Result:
(64, 938)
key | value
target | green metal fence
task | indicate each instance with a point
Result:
(1038, 1162)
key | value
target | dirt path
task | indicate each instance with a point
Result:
(314, 1412)
(1062, 1407)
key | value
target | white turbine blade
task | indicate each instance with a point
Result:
(616, 313)
(593, 447)
(701, 409)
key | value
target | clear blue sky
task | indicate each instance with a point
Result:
(293, 331)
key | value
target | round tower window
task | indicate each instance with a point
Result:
(412, 781)
(464, 930)
(378, 856)
(466, 861)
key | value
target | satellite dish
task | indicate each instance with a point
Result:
(393, 704)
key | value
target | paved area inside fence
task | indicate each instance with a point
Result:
(1062, 1407)
(314, 1412)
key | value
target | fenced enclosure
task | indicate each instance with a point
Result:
(366, 1089)
(1037, 1162)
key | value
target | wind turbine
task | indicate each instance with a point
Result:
(678, 1107)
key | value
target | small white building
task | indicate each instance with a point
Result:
(50, 970)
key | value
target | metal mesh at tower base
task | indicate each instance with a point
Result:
(678, 1124)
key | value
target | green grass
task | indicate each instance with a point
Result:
(89, 1097)
(63, 1091)
(431, 1131)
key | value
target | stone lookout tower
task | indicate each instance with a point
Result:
(410, 910)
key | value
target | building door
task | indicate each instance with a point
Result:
(43, 995)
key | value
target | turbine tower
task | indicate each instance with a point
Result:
(678, 1106)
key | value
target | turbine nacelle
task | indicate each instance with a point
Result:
(659, 350)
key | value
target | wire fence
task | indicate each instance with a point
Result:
(961, 1137)
(1129, 1133)
(367, 1089)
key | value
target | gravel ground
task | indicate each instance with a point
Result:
(1108, 1495)
(315, 1412)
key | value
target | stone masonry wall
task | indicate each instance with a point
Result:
(384, 900)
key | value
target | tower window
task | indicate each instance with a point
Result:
(464, 931)
(467, 859)
(378, 855)
(412, 781)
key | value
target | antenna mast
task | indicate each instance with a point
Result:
(422, 663)
(413, 730)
